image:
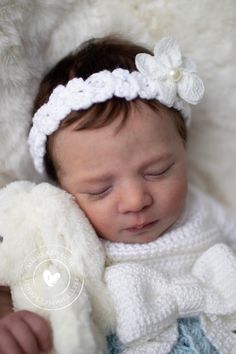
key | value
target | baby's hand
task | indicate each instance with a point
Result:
(24, 332)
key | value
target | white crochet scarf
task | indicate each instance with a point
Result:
(188, 271)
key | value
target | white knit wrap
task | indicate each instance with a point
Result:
(188, 271)
(167, 77)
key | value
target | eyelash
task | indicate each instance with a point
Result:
(100, 194)
(156, 175)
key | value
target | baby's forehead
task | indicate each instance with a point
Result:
(140, 123)
(117, 110)
(101, 125)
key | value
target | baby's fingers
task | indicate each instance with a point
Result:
(8, 344)
(24, 336)
(40, 328)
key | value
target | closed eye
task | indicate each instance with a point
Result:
(158, 173)
(100, 193)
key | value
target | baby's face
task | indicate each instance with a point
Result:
(132, 184)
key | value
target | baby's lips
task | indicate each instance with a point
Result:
(141, 226)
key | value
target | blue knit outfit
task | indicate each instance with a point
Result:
(191, 340)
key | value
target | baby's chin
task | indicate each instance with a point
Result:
(132, 237)
(141, 239)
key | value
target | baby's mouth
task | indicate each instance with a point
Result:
(142, 227)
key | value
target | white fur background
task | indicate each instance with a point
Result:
(34, 34)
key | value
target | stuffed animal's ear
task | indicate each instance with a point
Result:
(3, 280)
(12, 210)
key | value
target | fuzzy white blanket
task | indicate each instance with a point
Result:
(34, 34)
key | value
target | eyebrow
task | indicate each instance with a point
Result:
(101, 178)
(108, 177)
(157, 159)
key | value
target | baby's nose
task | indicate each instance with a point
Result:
(134, 199)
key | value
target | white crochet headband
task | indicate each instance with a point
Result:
(167, 77)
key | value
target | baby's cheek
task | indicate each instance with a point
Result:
(88, 208)
(98, 216)
(176, 198)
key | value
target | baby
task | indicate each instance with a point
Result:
(110, 127)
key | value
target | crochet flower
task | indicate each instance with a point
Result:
(173, 74)
(100, 86)
(78, 95)
(126, 85)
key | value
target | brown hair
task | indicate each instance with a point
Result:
(93, 56)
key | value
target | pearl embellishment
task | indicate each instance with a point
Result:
(175, 74)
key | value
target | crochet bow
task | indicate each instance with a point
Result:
(146, 300)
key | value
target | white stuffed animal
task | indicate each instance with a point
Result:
(42, 230)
